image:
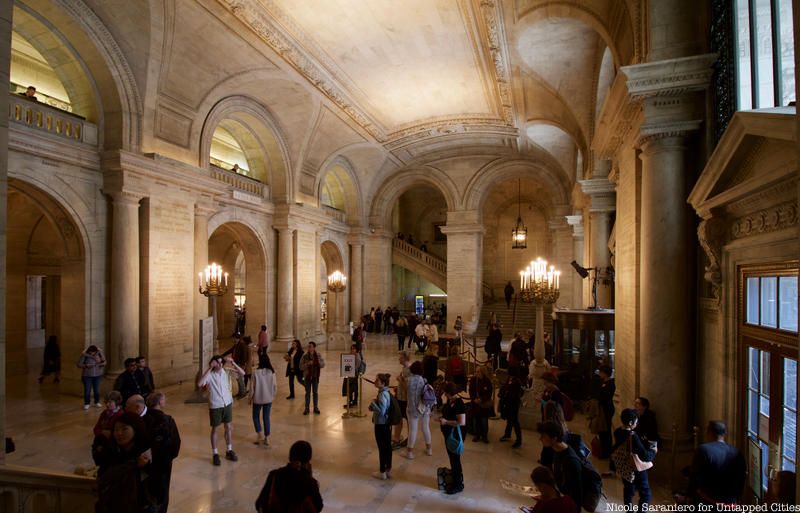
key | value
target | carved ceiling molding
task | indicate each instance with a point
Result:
(289, 41)
(492, 18)
(272, 29)
(451, 127)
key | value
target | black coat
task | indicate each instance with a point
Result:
(718, 473)
(296, 362)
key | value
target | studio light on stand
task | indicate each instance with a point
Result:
(598, 273)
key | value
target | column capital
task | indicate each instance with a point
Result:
(576, 221)
(669, 77)
(652, 136)
(204, 209)
(126, 196)
(557, 223)
(602, 194)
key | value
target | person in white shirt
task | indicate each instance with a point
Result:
(421, 336)
(262, 393)
(220, 402)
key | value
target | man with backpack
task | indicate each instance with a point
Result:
(567, 466)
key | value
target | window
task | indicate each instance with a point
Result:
(771, 302)
(764, 53)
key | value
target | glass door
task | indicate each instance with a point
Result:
(771, 413)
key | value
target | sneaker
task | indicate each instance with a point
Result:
(316, 411)
(505, 438)
(305, 412)
(517, 444)
(215, 460)
(429, 451)
(451, 490)
(230, 455)
(85, 406)
(98, 405)
(380, 475)
(266, 443)
(258, 441)
(409, 455)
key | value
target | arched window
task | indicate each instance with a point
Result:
(30, 68)
(227, 153)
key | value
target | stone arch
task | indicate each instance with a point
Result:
(84, 35)
(546, 155)
(339, 172)
(47, 264)
(333, 260)
(395, 185)
(624, 48)
(557, 185)
(260, 123)
(228, 236)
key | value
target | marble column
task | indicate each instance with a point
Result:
(355, 283)
(201, 215)
(464, 269)
(5, 62)
(377, 274)
(576, 221)
(124, 332)
(603, 202)
(285, 318)
(666, 333)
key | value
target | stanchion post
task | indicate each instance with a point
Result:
(360, 396)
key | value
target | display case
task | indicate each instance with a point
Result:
(582, 340)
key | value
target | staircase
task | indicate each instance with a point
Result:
(520, 317)
(429, 267)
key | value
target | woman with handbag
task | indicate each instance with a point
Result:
(630, 459)
(453, 421)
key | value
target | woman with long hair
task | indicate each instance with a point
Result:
(293, 366)
(454, 417)
(417, 412)
(383, 430)
(262, 393)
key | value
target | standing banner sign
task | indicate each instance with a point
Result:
(347, 367)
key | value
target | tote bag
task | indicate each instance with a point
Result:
(455, 444)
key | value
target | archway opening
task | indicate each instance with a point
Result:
(45, 283)
(243, 308)
(226, 150)
(417, 218)
(338, 194)
(333, 305)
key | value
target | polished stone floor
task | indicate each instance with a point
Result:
(52, 431)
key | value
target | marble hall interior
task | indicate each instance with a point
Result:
(430, 151)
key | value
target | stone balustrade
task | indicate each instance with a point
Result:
(432, 261)
(39, 491)
(334, 213)
(51, 120)
(240, 182)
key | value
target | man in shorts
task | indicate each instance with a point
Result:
(220, 402)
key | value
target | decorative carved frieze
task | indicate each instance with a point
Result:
(711, 235)
(495, 29)
(767, 220)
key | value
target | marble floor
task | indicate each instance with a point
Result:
(51, 430)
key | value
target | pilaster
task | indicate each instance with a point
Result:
(576, 222)
(464, 268)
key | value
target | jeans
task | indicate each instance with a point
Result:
(413, 426)
(312, 384)
(383, 436)
(640, 483)
(455, 465)
(291, 383)
(92, 382)
(264, 409)
(401, 342)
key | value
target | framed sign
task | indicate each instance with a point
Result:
(347, 365)
(419, 305)
(754, 466)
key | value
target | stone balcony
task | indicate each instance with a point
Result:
(41, 116)
(335, 213)
(244, 188)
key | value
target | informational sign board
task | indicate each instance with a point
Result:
(347, 367)
(419, 305)
(206, 340)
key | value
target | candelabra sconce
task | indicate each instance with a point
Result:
(337, 282)
(213, 282)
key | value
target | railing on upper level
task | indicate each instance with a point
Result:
(240, 182)
(42, 491)
(432, 261)
(51, 120)
(334, 213)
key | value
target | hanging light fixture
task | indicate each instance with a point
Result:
(519, 235)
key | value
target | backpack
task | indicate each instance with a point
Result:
(592, 486)
(567, 407)
(394, 415)
(428, 396)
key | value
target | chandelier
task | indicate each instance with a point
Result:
(538, 284)
(519, 235)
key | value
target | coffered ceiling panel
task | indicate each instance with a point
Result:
(404, 62)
